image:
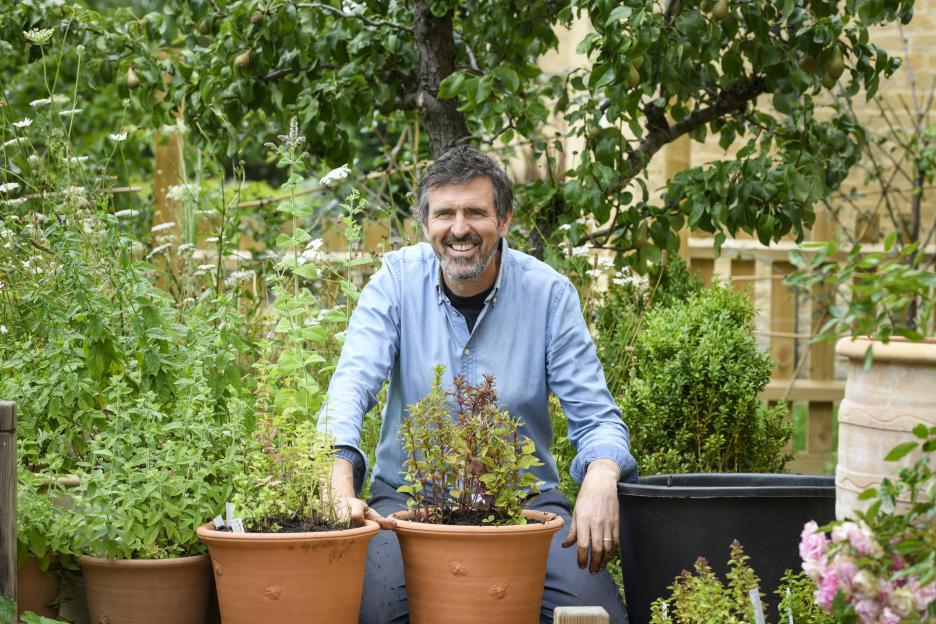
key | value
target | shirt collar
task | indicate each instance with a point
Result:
(492, 296)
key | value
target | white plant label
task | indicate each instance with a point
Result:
(758, 607)
(789, 608)
(229, 512)
(237, 525)
(218, 522)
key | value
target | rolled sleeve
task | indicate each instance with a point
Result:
(575, 375)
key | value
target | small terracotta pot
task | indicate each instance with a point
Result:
(475, 574)
(35, 589)
(289, 577)
(147, 591)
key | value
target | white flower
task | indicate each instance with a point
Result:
(14, 141)
(74, 160)
(23, 123)
(565, 227)
(1, 284)
(335, 175)
(185, 248)
(606, 263)
(179, 192)
(163, 226)
(593, 273)
(212, 239)
(34, 160)
(58, 98)
(126, 212)
(9, 186)
(582, 250)
(351, 9)
(42, 102)
(158, 250)
(70, 112)
(238, 276)
(206, 267)
(39, 36)
(3, 329)
(118, 137)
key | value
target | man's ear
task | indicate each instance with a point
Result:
(505, 225)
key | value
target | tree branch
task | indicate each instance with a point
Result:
(729, 100)
(338, 12)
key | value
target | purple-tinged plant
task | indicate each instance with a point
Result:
(466, 456)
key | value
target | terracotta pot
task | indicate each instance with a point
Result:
(475, 574)
(35, 589)
(289, 577)
(147, 591)
(880, 409)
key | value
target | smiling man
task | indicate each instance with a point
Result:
(468, 301)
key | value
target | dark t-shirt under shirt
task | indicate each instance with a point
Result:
(469, 307)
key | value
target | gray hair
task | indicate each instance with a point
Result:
(460, 165)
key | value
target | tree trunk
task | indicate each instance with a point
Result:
(435, 46)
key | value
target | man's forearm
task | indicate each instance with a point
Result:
(342, 478)
(605, 469)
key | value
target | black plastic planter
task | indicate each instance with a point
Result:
(668, 521)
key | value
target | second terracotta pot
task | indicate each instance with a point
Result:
(147, 591)
(475, 574)
(289, 578)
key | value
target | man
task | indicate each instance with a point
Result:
(468, 301)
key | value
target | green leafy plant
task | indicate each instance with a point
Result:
(467, 463)
(797, 601)
(702, 598)
(690, 393)
(286, 481)
(8, 614)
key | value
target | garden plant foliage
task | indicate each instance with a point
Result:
(464, 453)
(690, 392)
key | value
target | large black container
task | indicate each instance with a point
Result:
(668, 521)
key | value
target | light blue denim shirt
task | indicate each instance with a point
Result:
(531, 335)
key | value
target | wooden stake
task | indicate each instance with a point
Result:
(580, 615)
(8, 500)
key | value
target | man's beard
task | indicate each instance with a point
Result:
(463, 269)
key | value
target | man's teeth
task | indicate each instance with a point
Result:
(462, 246)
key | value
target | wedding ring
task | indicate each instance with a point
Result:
(607, 539)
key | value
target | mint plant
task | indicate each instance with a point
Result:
(286, 482)
(466, 459)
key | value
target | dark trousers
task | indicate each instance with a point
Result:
(384, 600)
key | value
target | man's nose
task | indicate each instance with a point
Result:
(460, 225)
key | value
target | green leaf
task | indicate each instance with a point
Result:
(868, 494)
(900, 451)
(618, 13)
(509, 77)
(452, 85)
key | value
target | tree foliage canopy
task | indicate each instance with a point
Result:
(358, 74)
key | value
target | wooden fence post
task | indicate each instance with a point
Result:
(8, 499)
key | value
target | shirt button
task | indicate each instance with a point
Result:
(467, 351)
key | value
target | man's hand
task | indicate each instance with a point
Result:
(344, 502)
(347, 507)
(595, 527)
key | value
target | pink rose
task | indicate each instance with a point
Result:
(828, 588)
(867, 611)
(812, 550)
(922, 596)
(846, 570)
(862, 539)
(889, 617)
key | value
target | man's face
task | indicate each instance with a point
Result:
(463, 229)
